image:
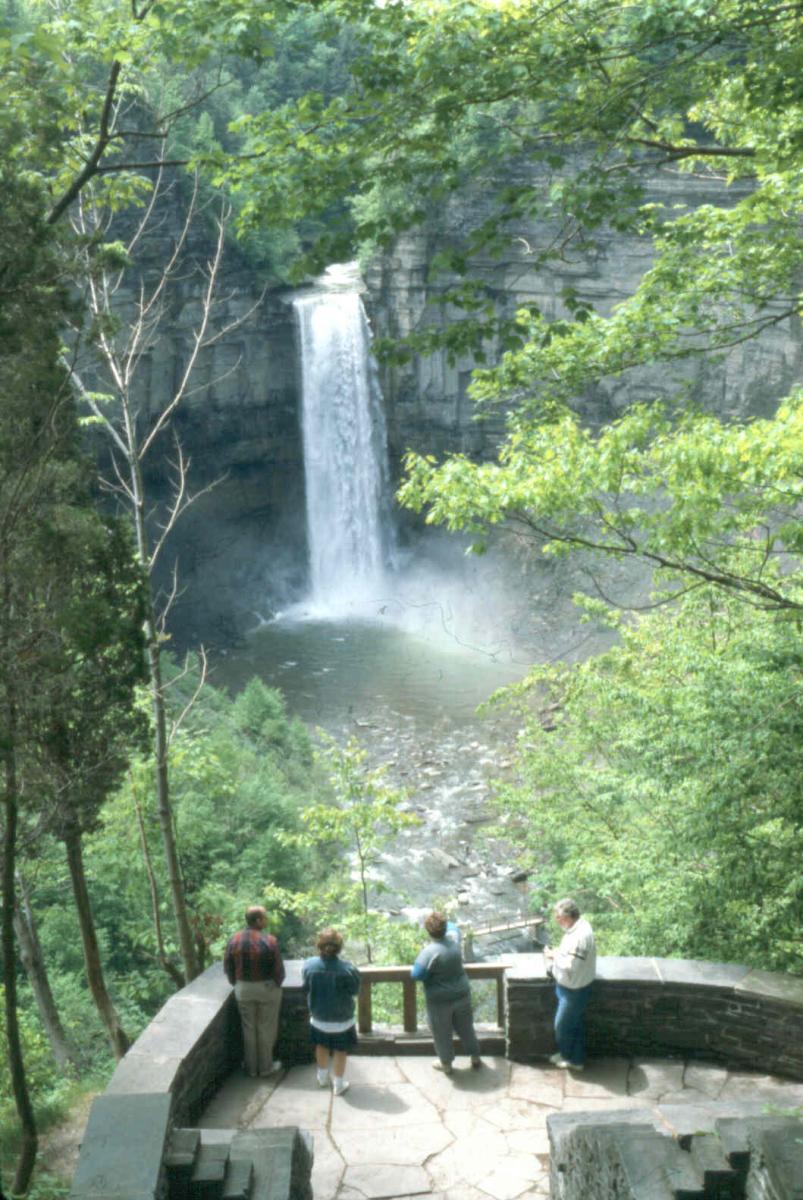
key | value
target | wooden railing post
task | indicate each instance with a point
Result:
(409, 1000)
(364, 1015)
(372, 974)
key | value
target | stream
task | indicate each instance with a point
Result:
(410, 699)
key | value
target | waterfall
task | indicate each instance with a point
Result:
(345, 450)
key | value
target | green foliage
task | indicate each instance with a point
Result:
(241, 771)
(353, 829)
(710, 501)
(668, 797)
(47, 1089)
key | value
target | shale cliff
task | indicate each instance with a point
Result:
(241, 548)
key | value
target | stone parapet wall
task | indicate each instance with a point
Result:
(664, 1007)
(188, 1049)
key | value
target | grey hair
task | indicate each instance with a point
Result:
(567, 908)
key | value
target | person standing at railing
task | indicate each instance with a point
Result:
(447, 992)
(573, 967)
(253, 965)
(330, 985)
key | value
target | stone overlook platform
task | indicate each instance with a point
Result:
(693, 1091)
(405, 1130)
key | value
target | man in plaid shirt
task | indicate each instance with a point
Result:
(253, 964)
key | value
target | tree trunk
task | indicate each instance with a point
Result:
(16, 1062)
(94, 968)
(160, 747)
(171, 969)
(33, 961)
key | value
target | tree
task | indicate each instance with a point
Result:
(60, 565)
(709, 502)
(667, 789)
(136, 426)
(33, 960)
(354, 828)
(557, 119)
(94, 728)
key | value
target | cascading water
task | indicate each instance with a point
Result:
(345, 449)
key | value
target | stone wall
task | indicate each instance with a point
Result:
(723, 1013)
(188, 1049)
(662, 1007)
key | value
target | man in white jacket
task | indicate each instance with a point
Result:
(573, 967)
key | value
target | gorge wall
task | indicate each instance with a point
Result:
(241, 547)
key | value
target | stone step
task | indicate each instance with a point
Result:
(282, 1161)
(179, 1161)
(720, 1180)
(239, 1179)
(390, 1043)
(182, 1147)
(209, 1172)
(656, 1166)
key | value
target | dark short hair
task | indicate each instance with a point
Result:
(329, 943)
(435, 924)
(567, 908)
(253, 913)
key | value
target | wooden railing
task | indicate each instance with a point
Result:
(369, 975)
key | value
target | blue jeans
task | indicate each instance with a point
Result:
(570, 1030)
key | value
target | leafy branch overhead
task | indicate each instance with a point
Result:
(703, 500)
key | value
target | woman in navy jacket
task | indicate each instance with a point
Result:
(330, 984)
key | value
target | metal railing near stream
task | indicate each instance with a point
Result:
(369, 975)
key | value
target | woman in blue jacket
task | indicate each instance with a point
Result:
(330, 985)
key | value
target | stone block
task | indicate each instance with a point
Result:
(107, 1168)
(655, 1165)
(617, 972)
(720, 1177)
(282, 1161)
(774, 986)
(696, 973)
(776, 1153)
(238, 1180)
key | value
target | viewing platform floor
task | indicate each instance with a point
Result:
(405, 1130)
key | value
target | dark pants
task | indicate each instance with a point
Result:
(570, 1029)
(447, 1017)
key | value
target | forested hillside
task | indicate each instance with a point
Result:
(141, 806)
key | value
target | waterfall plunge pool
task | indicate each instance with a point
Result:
(340, 674)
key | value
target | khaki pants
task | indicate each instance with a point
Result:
(259, 1005)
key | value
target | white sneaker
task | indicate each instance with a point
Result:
(557, 1059)
(323, 1076)
(277, 1066)
(340, 1085)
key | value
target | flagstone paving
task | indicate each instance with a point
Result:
(404, 1130)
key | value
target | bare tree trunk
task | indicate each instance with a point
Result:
(33, 961)
(94, 968)
(131, 443)
(16, 1062)
(161, 744)
(169, 966)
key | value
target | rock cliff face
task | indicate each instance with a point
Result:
(241, 548)
(427, 402)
